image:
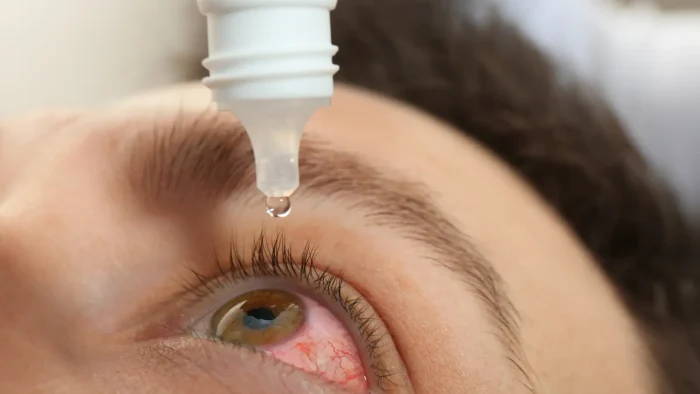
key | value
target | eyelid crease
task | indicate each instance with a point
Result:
(198, 157)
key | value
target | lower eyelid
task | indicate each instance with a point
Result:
(209, 365)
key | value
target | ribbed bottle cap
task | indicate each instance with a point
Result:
(269, 49)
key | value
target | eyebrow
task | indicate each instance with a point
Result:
(207, 156)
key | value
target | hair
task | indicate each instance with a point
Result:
(495, 86)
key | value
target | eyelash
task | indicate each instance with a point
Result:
(273, 258)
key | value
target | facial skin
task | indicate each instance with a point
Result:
(92, 259)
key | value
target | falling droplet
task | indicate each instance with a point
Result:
(278, 207)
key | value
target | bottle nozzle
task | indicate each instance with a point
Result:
(276, 159)
(275, 129)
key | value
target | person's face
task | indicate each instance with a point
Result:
(136, 256)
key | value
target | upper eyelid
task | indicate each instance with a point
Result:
(198, 284)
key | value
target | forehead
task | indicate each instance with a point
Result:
(72, 154)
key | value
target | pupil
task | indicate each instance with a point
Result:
(259, 318)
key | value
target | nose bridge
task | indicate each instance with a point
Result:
(29, 365)
(47, 277)
(33, 328)
(42, 348)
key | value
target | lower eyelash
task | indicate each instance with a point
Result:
(273, 258)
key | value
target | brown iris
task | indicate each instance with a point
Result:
(258, 318)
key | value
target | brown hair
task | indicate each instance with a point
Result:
(490, 82)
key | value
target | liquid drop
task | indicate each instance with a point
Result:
(278, 207)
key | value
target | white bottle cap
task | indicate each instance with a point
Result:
(270, 63)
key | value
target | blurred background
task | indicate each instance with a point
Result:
(644, 56)
(86, 52)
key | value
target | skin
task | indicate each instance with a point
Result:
(80, 259)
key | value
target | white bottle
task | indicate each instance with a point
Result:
(270, 64)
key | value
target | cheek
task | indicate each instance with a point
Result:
(325, 348)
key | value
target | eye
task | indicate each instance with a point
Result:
(259, 318)
(277, 302)
(293, 329)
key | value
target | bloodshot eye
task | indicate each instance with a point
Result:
(293, 329)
